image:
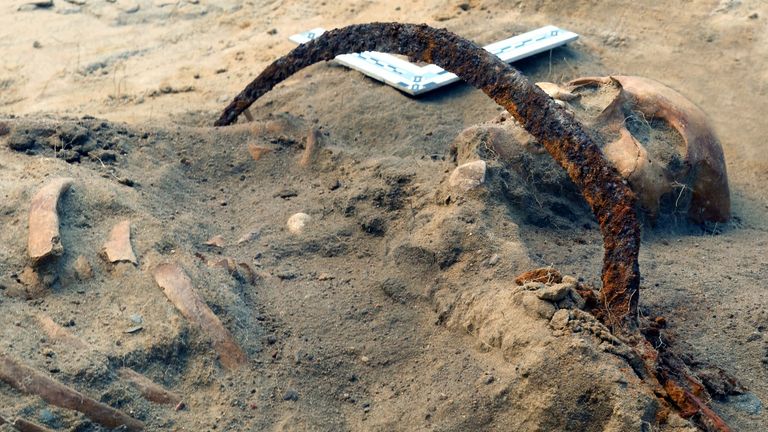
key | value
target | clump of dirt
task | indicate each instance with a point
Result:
(71, 140)
(551, 337)
(537, 189)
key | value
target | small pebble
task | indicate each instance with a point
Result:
(134, 329)
(82, 268)
(297, 222)
(41, 4)
(215, 241)
(468, 176)
(130, 7)
(554, 292)
(334, 184)
(46, 416)
(291, 395)
(286, 275)
(747, 402)
(560, 319)
(249, 236)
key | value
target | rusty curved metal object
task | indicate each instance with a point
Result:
(610, 198)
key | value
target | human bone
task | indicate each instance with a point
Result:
(695, 164)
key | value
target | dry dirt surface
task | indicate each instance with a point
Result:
(331, 275)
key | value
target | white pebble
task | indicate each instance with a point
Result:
(468, 176)
(297, 222)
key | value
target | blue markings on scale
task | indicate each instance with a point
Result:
(413, 79)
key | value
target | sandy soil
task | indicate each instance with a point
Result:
(393, 309)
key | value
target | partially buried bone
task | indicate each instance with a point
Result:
(27, 426)
(29, 381)
(57, 332)
(24, 426)
(44, 238)
(310, 148)
(215, 241)
(177, 286)
(118, 246)
(147, 388)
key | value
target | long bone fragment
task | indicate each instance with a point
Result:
(177, 286)
(148, 389)
(118, 247)
(23, 425)
(611, 200)
(57, 332)
(29, 381)
(27, 426)
(44, 239)
(311, 148)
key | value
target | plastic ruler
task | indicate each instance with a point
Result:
(414, 79)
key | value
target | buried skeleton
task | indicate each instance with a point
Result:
(564, 137)
(542, 328)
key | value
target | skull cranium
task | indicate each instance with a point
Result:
(638, 111)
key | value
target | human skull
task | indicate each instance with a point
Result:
(657, 139)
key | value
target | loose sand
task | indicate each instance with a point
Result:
(392, 307)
